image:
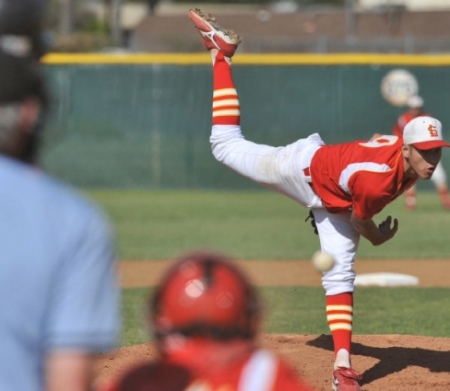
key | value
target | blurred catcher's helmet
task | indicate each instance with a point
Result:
(205, 294)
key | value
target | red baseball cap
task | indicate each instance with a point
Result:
(424, 133)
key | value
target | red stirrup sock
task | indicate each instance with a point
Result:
(340, 319)
(443, 193)
(225, 110)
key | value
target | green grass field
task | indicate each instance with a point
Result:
(301, 310)
(265, 225)
(255, 225)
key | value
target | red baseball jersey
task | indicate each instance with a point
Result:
(363, 176)
(256, 370)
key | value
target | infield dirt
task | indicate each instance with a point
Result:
(387, 362)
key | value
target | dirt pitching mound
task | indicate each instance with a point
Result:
(387, 362)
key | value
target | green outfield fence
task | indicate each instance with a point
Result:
(143, 120)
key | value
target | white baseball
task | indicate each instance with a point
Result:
(323, 261)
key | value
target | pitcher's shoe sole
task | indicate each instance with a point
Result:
(214, 36)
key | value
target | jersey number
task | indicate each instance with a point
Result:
(382, 141)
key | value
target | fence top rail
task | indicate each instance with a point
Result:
(248, 59)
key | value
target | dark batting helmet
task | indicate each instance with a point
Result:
(21, 47)
(205, 294)
(22, 79)
(23, 19)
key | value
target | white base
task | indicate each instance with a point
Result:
(386, 279)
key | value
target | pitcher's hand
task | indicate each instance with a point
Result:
(385, 228)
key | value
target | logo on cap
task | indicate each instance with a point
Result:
(433, 131)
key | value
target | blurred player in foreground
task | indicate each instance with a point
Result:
(439, 177)
(205, 316)
(344, 185)
(58, 299)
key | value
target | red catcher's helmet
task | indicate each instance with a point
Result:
(205, 294)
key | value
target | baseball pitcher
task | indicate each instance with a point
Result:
(344, 185)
